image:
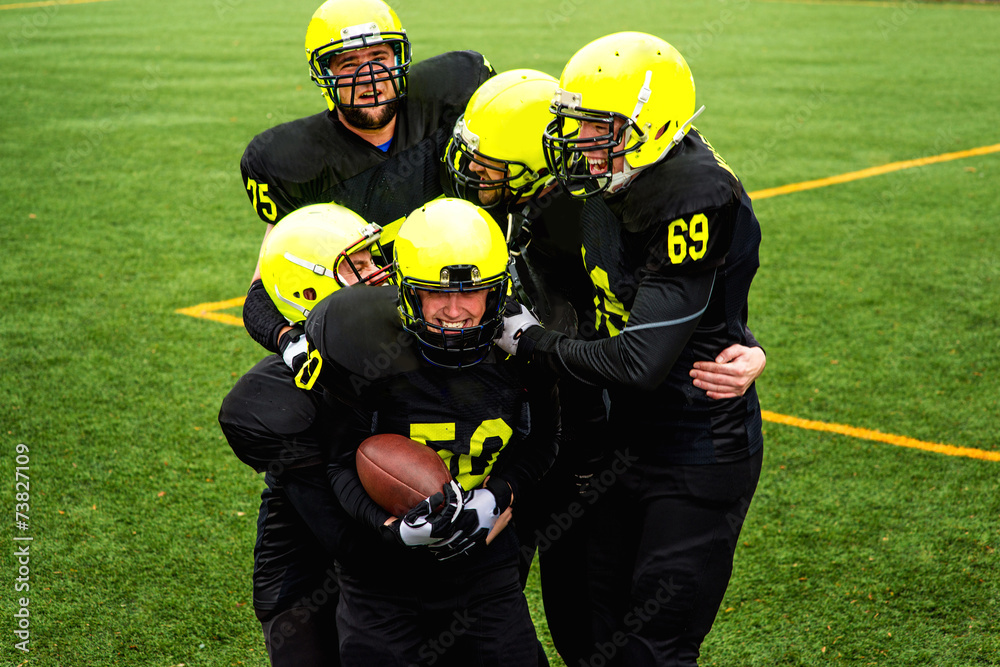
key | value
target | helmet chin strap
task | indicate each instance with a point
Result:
(681, 131)
(305, 311)
(318, 269)
(618, 181)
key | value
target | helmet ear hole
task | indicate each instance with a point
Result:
(663, 129)
(296, 254)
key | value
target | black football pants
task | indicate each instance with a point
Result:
(300, 530)
(661, 556)
(472, 618)
(273, 426)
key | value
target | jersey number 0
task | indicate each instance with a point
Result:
(468, 464)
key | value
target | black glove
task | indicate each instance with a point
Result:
(584, 471)
(479, 511)
(424, 526)
(293, 348)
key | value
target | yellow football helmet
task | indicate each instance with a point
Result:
(632, 77)
(343, 25)
(451, 245)
(306, 256)
(501, 130)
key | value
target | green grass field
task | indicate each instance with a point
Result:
(122, 123)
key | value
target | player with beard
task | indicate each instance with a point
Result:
(375, 150)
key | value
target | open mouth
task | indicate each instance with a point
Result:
(461, 324)
(597, 165)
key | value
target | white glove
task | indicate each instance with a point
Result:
(294, 348)
(516, 320)
(473, 524)
(479, 513)
(425, 526)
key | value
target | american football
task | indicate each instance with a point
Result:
(398, 472)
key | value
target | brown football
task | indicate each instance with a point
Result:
(398, 472)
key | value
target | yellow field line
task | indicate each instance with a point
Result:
(872, 171)
(878, 436)
(206, 311)
(47, 3)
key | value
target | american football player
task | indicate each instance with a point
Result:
(670, 243)
(422, 360)
(315, 251)
(496, 157)
(376, 150)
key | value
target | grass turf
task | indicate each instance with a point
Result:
(121, 130)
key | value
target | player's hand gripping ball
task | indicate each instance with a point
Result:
(399, 473)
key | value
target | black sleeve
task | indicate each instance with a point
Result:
(343, 476)
(486, 71)
(523, 463)
(262, 318)
(268, 198)
(665, 313)
(752, 340)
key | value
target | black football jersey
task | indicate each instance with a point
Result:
(548, 269)
(317, 160)
(671, 259)
(494, 418)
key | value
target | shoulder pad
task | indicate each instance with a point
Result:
(289, 150)
(691, 179)
(449, 78)
(358, 334)
(300, 161)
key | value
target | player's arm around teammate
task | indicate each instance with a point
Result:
(670, 242)
(496, 158)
